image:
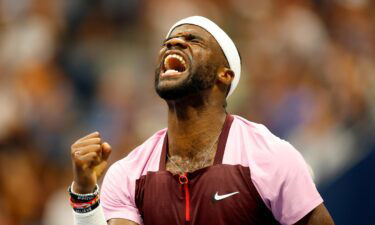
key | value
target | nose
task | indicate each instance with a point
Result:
(178, 41)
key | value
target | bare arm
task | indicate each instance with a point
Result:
(121, 222)
(89, 157)
(318, 216)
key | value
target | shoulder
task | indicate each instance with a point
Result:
(119, 183)
(146, 147)
(265, 153)
(262, 142)
(143, 158)
(278, 172)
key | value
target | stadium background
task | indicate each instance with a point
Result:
(70, 67)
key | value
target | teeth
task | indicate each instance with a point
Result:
(174, 56)
(170, 71)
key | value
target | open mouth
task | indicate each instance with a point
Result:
(174, 64)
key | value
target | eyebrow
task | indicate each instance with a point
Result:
(183, 35)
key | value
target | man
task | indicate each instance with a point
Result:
(208, 167)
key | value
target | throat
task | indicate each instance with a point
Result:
(194, 135)
(177, 164)
(193, 140)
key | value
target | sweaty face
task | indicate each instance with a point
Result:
(187, 63)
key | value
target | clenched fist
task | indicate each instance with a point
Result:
(89, 156)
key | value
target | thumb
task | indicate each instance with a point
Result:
(106, 151)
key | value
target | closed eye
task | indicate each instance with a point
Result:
(188, 37)
(192, 38)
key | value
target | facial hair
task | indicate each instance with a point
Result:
(199, 79)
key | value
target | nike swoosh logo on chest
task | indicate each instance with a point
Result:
(218, 197)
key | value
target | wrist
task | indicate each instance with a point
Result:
(83, 189)
(79, 197)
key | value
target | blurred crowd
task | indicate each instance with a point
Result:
(71, 67)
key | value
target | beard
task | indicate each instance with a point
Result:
(199, 79)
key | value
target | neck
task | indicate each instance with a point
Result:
(193, 126)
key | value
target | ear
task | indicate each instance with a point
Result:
(225, 76)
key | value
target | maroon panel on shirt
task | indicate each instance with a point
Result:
(161, 199)
(223, 139)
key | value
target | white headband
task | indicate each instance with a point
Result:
(226, 44)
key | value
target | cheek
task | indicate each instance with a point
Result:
(160, 55)
(162, 50)
(202, 57)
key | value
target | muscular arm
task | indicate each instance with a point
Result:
(121, 222)
(318, 216)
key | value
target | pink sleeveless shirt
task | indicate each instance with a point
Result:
(257, 178)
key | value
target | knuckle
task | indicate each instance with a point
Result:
(73, 149)
(74, 154)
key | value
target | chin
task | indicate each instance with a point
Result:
(172, 92)
(173, 88)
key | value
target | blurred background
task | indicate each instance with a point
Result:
(70, 67)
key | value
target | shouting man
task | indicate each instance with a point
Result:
(208, 166)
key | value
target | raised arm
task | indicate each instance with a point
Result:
(89, 157)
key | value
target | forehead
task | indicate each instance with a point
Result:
(195, 30)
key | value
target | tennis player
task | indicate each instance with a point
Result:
(208, 167)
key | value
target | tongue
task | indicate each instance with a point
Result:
(170, 71)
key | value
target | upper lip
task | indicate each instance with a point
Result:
(177, 52)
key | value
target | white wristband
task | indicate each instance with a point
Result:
(95, 217)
